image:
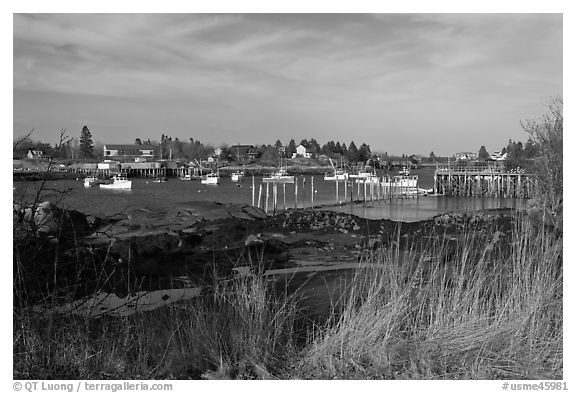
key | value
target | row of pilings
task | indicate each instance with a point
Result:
(272, 195)
(483, 182)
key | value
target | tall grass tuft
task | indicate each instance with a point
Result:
(479, 310)
(239, 331)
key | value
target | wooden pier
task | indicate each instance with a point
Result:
(482, 181)
(346, 191)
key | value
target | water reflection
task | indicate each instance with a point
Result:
(149, 195)
(417, 209)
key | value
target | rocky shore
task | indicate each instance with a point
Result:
(198, 243)
(195, 244)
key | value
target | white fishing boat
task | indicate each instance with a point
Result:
(402, 181)
(237, 176)
(119, 182)
(337, 175)
(188, 177)
(360, 175)
(369, 178)
(211, 178)
(280, 176)
(160, 179)
(403, 185)
(90, 181)
(366, 177)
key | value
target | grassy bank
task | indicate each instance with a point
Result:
(487, 308)
(482, 312)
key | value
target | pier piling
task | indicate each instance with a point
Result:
(482, 181)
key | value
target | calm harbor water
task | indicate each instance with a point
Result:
(321, 286)
(149, 195)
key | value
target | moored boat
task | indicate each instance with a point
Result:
(211, 178)
(90, 181)
(403, 185)
(119, 182)
(337, 175)
(237, 176)
(280, 176)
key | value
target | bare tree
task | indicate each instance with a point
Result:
(546, 132)
(22, 139)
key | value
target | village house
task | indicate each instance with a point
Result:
(137, 153)
(305, 152)
(498, 156)
(243, 152)
(467, 156)
(37, 155)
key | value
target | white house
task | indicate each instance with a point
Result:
(37, 154)
(302, 151)
(498, 156)
(466, 156)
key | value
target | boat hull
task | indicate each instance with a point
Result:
(278, 179)
(338, 177)
(210, 180)
(118, 185)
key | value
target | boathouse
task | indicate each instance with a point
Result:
(129, 152)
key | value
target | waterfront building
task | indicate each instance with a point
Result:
(129, 152)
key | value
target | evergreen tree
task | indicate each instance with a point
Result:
(313, 144)
(483, 154)
(352, 153)
(86, 144)
(291, 149)
(364, 153)
(338, 148)
(329, 149)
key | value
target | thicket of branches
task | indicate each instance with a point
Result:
(546, 132)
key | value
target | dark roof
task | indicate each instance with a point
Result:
(129, 147)
(244, 149)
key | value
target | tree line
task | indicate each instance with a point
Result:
(174, 148)
(518, 154)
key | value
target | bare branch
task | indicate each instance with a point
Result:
(19, 141)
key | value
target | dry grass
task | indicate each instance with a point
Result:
(241, 331)
(481, 311)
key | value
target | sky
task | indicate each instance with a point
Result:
(402, 83)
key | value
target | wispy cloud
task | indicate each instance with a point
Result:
(315, 71)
